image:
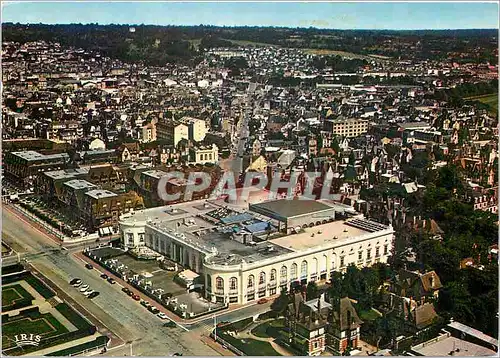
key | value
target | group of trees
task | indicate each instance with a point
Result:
(457, 94)
(161, 44)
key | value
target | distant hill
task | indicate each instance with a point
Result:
(158, 45)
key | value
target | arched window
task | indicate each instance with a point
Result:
(303, 269)
(251, 281)
(219, 283)
(283, 274)
(315, 265)
(233, 283)
(293, 271)
(272, 276)
(262, 278)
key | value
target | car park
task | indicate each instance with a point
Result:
(84, 288)
(89, 266)
(93, 294)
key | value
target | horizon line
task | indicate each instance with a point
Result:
(258, 26)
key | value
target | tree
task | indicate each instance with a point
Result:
(335, 145)
(281, 302)
(312, 291)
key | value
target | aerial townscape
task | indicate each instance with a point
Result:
(246, 187)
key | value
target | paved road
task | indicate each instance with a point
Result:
(208, 323)
(126, 318)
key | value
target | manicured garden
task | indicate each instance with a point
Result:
(32, 322)
(76, 350)
(270, 329)
(43, 290)
(15, 297)
(73, 317)
(250, 347)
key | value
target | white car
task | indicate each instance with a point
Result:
(86, 293)
(77, 284)
(162, 315)
(84, 288)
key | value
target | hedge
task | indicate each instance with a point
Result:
(52, 341)
(18, 304)
(74, 317)
(39, 286)
(16, 277)
(12, 269)
(98, 342)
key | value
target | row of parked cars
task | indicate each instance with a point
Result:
(153, 309)
(83, 288)
(111, 280)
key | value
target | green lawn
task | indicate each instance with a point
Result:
(251, 347)
(369, 315)
(15, 294)
(489, 99)
(45, 325)
(271, 329)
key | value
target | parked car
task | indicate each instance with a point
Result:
(87, 293)
(104, 276)
(169, 324)
(125, 289)
(84, 288)
(262, 301)
(153, 309)
(130, 293)
(136, 297)
(75, 280)
(162, 315)
(93, 294)
(177, 354)
(89, 266)
(111, 280)
(145, 303)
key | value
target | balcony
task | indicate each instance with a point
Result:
(233, 292)
(272, 284)
(262, 287)
(251, 289)
(219, 291)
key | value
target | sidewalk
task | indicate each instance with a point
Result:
(216, 346)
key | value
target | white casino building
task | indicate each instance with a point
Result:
(247, 255)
